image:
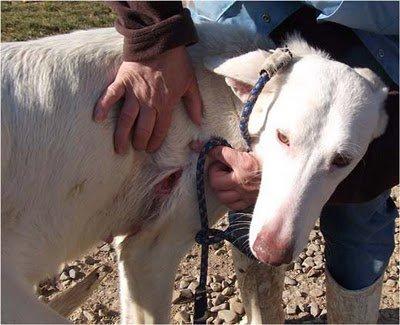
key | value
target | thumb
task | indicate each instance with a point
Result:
(225, 155)
(193, 103)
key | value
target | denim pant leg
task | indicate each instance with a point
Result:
(359, 240)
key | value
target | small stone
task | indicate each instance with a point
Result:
(88, 315)
(112, 313)
(98, 306)
(309, 252)
(193, 285)
(67, 283)
(291, 309)
(189, 278)
(228, 316)
(220, 251)
(236, 306)
(216, 287)
(105, 248)
(297, 266)
(209, 320)
(319, 266)
(314, 309)
(72, 273)
(224, 284)
(106, 268)
(244, 320)
(43, 299)
(309, 261)
(217, 278)
(183, 284)
(64, 276)
(289, 281)
(302, 314)
(303, 307)
(186, 294)
(302, 255)
(90, 260)
(176, 297)
(219, 307)
(316, 293)
(313, 273)
(391, 283)
(182, 317)
(313, 235)
(102, 313)
(228, 291)
(219, 299)
(217, 246)
(290, 266)
(286, 294)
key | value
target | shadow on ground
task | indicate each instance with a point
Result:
(386, 316)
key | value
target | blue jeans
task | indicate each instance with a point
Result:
(359, 240)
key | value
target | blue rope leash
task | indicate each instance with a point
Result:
(239, 221)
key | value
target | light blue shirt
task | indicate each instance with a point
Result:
(376, 23)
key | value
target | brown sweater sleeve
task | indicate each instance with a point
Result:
(152, 27)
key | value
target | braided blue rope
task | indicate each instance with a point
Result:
(248, 107)
(237, 232)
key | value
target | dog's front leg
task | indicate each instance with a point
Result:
(147, 267)
(261, 289)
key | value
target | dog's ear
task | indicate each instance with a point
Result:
(241, 72)
(381, 91)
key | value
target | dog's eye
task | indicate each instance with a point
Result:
(341, 160)
(282, 137)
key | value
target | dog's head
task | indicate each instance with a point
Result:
(312, 124)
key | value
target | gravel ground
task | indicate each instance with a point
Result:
(303, 297)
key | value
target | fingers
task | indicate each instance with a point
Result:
(220, 178)
(228, 197)
(144, 128)
(110, 96)
(129, 112)
(193, 103)
(161, 126)
(225, 155)
(239, 205)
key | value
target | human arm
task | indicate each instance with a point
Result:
(155, 75)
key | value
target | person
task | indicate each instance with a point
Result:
(358, 220)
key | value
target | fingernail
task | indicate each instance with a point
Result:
(121, 149)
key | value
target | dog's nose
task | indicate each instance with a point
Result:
(269, 249)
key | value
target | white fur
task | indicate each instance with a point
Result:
(324, 107)
(64, 189)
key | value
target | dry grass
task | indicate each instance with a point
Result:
(21, 21)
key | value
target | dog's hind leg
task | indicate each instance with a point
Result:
(261, 289)
(147, 267)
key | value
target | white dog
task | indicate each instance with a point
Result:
(64, 190)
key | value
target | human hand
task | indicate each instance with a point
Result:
(150, 90)
(234, 176)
